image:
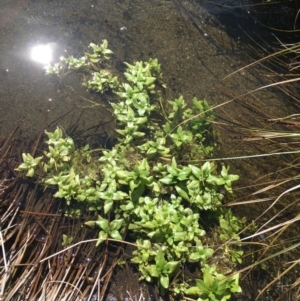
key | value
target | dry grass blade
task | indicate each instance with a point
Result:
(278, 278)
(35, 265)
(287, 50)
(281, 226)
(261, 134)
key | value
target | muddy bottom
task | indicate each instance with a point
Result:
(197, 52)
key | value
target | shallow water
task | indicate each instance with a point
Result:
(188, 39)
(198, 44)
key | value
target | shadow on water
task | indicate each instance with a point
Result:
(197, 42)
(234, 16)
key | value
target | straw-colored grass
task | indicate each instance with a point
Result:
(34, 265)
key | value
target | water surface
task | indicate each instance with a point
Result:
(198, 44)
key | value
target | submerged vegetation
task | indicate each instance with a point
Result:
(149, 189)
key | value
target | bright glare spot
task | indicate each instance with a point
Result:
(41, 54)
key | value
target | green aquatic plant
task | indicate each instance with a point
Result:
(29, 164)
(145, 188)
(108, 228)
(214, 286)
(66, 240)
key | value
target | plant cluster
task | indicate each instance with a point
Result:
(146, 188)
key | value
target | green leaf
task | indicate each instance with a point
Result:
(206, 168)
(201, 254)
(171, 266)
(167, 180)
(149, 81)
(164, 281)
(182, 193)
(129, 206)
(235, 288)
(116, 224)
(90, 223)
(203, 286)
(115, 235)
(124, 175)
(102, 237)
(66, 240)
(214, 286)
(194, 290)
(152, 270)
(167, 128)
(30, 172)
(214, 180)
(120, 195)
(184, 173)
(108, 205)
(102, 223)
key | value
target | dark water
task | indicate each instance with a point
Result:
(187, 37)
(198, 44)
